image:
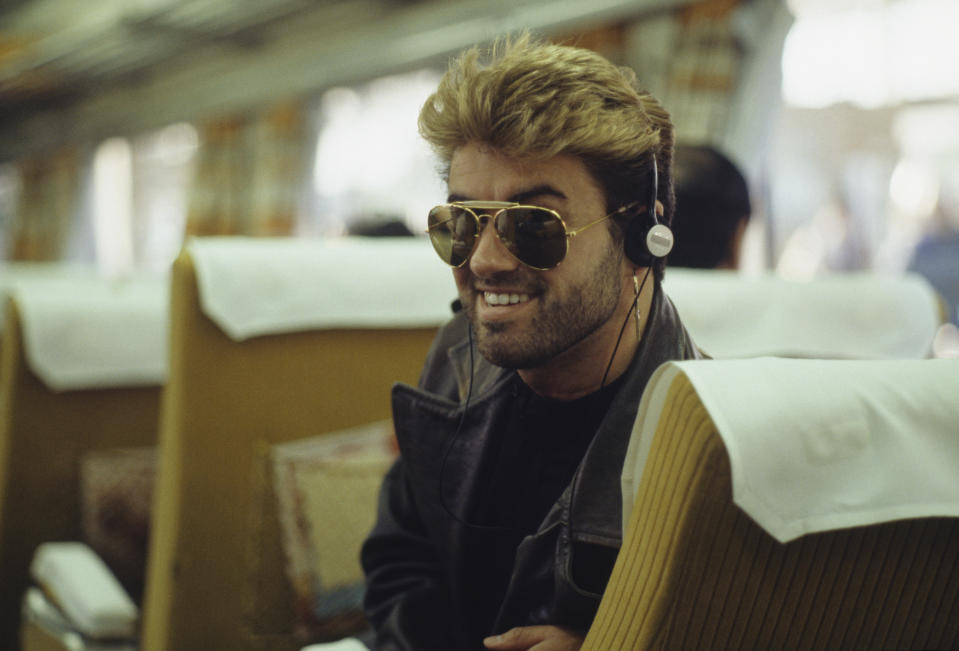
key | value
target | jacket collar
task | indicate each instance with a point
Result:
(596, 486)
(594, 499)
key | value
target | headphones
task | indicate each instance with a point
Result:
(647, 240)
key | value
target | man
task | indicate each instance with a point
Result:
(500, 523)
(712, 209)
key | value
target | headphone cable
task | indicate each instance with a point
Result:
(633, 306)
(466, 405)
(452, 441)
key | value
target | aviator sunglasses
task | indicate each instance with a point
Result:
(535, 236)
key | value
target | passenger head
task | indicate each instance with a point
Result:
(532, 101)
(712, 209)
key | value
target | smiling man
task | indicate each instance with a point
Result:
(500, 522)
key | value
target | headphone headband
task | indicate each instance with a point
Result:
(654, 191)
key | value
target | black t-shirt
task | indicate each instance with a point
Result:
(530, 460)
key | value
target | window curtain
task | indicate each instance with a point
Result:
(709, 64)
(689, 58)
(706, 66)
(249, 172)
(49, 191)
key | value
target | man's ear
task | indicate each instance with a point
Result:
(660, 209)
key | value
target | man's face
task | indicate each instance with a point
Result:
(523, 318)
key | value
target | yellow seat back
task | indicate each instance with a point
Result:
(216, 575)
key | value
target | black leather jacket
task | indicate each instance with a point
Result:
(414, 558)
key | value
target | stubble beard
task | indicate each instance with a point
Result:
(559, 322)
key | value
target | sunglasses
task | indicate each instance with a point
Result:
(535, 236)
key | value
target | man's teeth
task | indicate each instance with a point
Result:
(504, 299)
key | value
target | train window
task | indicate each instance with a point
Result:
(139, 190)
(113, 206)
(163, 168)
(371, 164)
(870, 54)
(865, 153)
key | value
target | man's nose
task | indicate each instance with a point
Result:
(490, 254)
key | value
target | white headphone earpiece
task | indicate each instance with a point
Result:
(659, 240)
(644, 242)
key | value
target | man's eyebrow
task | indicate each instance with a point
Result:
(519, 197)
(538, 191)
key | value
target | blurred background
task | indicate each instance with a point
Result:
(128, 125)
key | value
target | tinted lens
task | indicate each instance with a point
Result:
(534, 235)
(453, 232)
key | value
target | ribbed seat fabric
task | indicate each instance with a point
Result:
(695, 572)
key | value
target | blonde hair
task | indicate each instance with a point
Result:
(536, 100)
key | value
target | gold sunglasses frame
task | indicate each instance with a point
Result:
(499, 206)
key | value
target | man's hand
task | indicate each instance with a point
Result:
(535, 638)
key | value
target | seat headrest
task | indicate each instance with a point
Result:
(848, 316)
(822, 444)
(257, 286)
(87, 332)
